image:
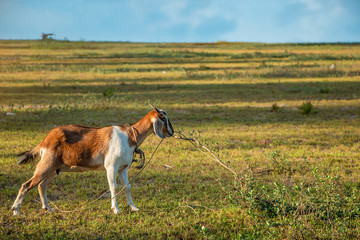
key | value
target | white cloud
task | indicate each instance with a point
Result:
(180, 12)
(200, 15)
(312, 5)
(314, 22)
(173, 11)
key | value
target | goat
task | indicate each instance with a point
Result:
(75, 148)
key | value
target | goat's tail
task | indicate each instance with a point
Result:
(27, 157)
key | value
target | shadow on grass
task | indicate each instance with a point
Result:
(183, 117)
(189, 93)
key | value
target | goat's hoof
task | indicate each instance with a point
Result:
(16, 212)
(116, 211)
(48, 209)
(133, 208)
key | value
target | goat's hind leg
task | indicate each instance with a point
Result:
(44, 169)
(21, 195)
(42, 192)
(32, 182)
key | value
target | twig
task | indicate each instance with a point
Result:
(209, 153)
(202, 206)
(188, 206)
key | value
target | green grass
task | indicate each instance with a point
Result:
(298, 165)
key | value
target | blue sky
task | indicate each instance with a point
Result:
(183, 20)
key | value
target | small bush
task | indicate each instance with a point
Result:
(204, 67)
(324, 90)
(274, 107)
(109, 93)
(45, 82)
(295, 90)
(307, 108)
(228, 75)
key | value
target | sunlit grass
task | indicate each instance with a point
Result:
(300, 172)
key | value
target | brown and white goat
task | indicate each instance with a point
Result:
(74, 148)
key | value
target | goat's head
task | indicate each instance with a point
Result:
(162, 124)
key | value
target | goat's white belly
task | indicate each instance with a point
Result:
(95, 164)
(82, 169)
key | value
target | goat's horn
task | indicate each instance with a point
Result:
(154, 108)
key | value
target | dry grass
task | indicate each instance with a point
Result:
(300, 173)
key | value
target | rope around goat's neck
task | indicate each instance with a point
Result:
(135, 136)
(87, 206)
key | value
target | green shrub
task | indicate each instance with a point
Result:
(274, 107)
(204, 67)
(307, 108)
(324, 90)
(109, 93)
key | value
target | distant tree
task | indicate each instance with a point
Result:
(45, 36)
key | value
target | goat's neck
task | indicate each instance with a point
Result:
(142, 129)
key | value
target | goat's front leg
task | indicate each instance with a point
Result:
(125, 182)
(111, 176)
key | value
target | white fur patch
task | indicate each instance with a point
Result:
(42, 151)
(119, 153)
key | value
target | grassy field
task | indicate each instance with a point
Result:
(285, 117)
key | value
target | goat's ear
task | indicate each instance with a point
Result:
(158, 126)
(157, 110)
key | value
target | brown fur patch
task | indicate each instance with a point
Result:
(143, 128)
(75, 145)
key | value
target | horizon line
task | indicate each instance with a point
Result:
(196, 42)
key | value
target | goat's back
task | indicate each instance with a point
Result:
(75, 145)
